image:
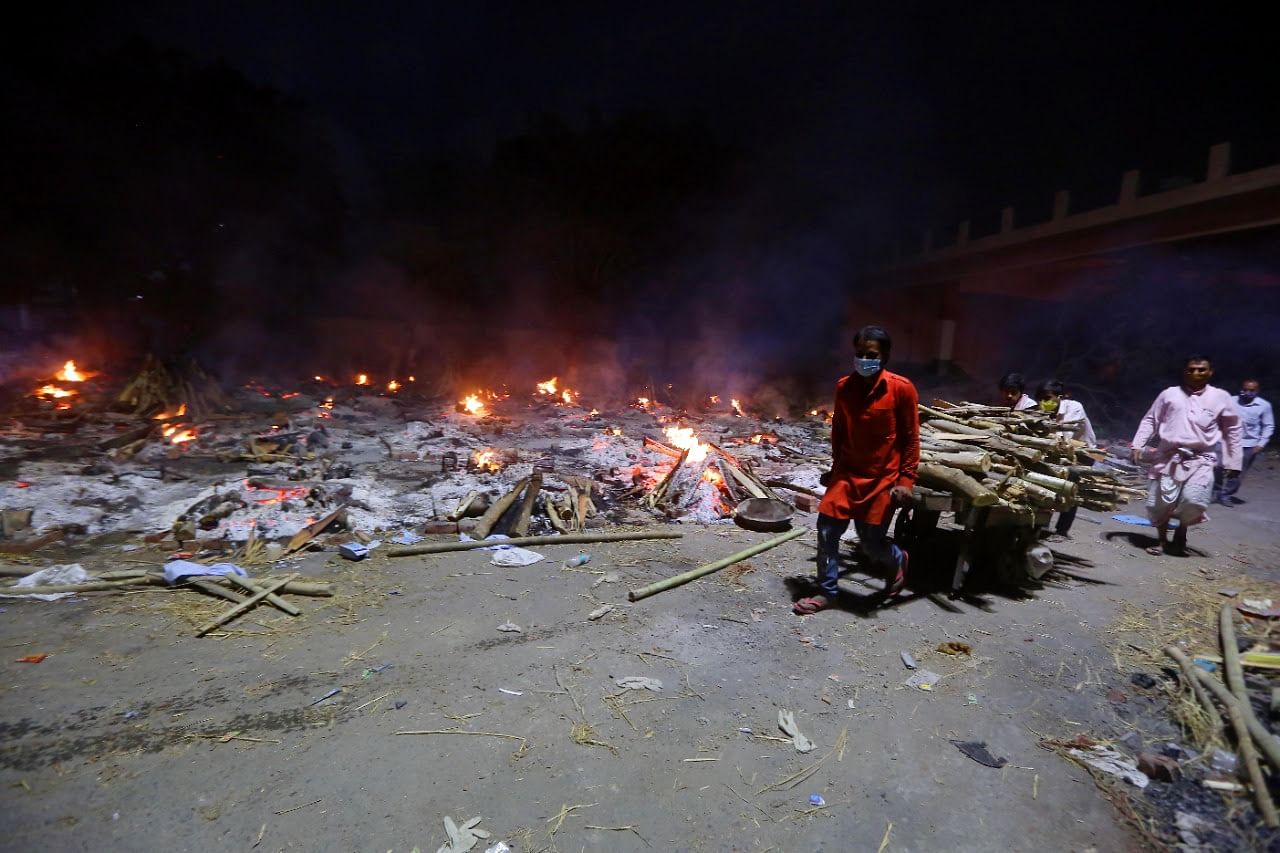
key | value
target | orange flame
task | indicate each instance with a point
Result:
(568, 396)
(737, 409)
(54, 392)
(473, 405)
(362, 379)
(179, 434)
(683, 438)
(68, 373)
(548, 387)
(713, 477)
(486, 460)
(166, 415)
(614, 431)
(714, 399)
(393, 386)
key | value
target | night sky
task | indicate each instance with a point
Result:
(740, 164)
(912, 116)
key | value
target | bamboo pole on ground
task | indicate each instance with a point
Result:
(709, 568)
(273, 599)
(571, 539)
(1243, 724)
(494, 514)
(243, 606)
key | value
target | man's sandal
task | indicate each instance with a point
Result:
(811, 605)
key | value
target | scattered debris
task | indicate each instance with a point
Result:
(510, 628)
(1263, 608)
(1142, 680)
(923, 679)
(353, 551)
(787, 722)
(33, 658)
(955, 647)
(638, 682)
(510, 692)
(1162, 768)
(977, 750)
(462, 838)
(1112, 763)
(334, 692)
(515, 557)
(600, 612)
(575, 562)
(908, 661)
(816, 800)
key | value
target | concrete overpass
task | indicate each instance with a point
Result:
(941, 300)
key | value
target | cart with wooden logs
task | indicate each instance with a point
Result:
(1002, 474)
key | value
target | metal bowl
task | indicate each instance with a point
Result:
(767, 515)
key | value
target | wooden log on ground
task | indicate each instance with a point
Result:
(571, 539)
(520, 526)
(463, 505)
(783, 484)
(702, 571)
(495, 511)
(311, 531)
(553, 513)
(243, 606)
(958, 483)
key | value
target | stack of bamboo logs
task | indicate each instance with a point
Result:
(1025, 461)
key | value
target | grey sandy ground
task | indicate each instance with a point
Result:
(79, 772)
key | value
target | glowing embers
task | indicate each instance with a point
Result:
(737, 408)
(486, 459)
(393, 386)
(269, 495)
(362, 379)
(167, 415)
(180, 434)
(477, 404)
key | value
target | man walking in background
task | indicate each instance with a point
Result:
(875, 450)
(1258, 424)
(1188, 422)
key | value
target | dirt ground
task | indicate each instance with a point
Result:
(117, 740)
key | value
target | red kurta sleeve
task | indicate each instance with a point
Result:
(907, 416)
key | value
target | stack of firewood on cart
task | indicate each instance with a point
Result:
(1024, 462)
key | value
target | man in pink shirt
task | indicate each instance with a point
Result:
(1188, 421)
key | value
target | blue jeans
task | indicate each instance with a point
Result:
(875, 543)
(1223, 489)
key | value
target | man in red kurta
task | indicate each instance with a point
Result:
(875, 446)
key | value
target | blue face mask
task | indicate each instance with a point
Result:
(866, 366)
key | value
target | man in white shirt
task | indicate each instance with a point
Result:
(1258, 424)
(1075, 424)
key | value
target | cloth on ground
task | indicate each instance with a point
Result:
(65, 574)
(176, 570)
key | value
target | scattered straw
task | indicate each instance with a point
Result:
(620, 829)
(583, 735)
(519, 753)
(884, 842)
(799, 776)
